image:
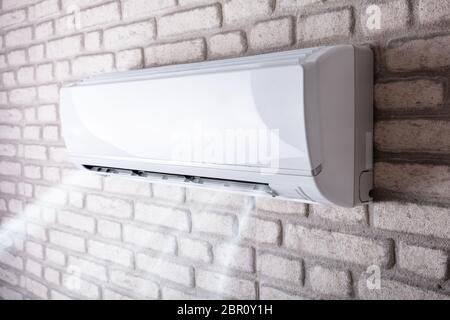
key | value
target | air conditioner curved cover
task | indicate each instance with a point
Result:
(294, 125)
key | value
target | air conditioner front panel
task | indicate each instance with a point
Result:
(246, 117)
(295, 125)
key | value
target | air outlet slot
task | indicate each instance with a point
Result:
(205, 182)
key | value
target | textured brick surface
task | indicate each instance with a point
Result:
(419, 54)
(338, 246)
(411, 94)
(214, 223)
(190, 21)
(240, 10)
(133, 283)
(122, 239)
(185, 51)
(165, 269)
(394, 290)
(335, 24)
(89, 65)
(417, 180)
(233, 256)
(333, 282)
(149, 239)
(143, 8)
(110, 252)
(433, 11)
(429, 263)
(227, 44)
(195, 249)
(429, 136)
(227, 285)
(260, 230)
(356, 215)
(412, 218)
(281, 268)
(162, 216)
(272, 34)
(136, 34)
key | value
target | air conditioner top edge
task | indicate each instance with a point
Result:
(294, 56)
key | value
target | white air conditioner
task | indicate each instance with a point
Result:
(295, 125)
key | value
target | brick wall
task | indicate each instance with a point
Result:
(66, 234)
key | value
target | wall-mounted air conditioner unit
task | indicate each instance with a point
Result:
(294, 125)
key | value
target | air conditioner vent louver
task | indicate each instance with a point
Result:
(238, 186)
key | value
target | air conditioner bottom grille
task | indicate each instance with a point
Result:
(205, 182)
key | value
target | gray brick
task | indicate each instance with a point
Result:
(236, 11)
(93, 64)
(36, 288)
(418, 54)
(270, 293)
(413, 136)
(395, 290)
(8, 276)
(143, 8)
(127, 186)
(207, 198)
(88, 268)
(355, 215)
(110, 252)
(67, 240)
(162, 216)
(234, 256)
(227, 44)
(226, 285)
(260, 230)
(129, 59)
(195, 249)
(135, 284)
(189, 21)
(280, 206)
(330, 25)
(281, 268)
(64, 47)
(12, 18)
(421, 181)
(149, 239)
(412, 218)
(426, 262)
(272, 34)
(107, 206)
(9, 294)
(76, 221)
(165, 269)
(178, 52)
(330, 282)
(169, 192)
(86, 288)
(214, 223)
(338, 246)
(410, 94)
(100, 15)
(133, 35)
(433, 11)
(18, 37)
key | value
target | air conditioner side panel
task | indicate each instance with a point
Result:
(333, 95)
